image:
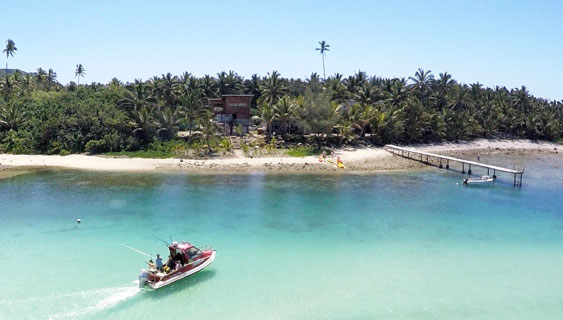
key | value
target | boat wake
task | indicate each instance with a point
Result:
(98, 300)
(74, 305)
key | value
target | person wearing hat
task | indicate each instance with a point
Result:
(159, 265)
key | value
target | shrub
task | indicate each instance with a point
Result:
(18, 142)
(96, 146)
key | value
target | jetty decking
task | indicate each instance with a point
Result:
(406, 153)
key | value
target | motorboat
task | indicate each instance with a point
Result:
(184, 260)
(480, 180)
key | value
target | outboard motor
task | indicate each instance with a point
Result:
(143, 278)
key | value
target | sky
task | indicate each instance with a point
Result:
(507, 43)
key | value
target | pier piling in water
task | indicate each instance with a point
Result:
(401, 151)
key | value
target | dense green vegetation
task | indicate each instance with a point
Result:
(39, 115)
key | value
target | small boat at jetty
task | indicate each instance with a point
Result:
(480, 180)
(184, 260)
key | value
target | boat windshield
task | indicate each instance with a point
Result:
(193, 252)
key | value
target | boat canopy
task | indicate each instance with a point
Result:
(184, 250)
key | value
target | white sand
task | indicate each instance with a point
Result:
(355, 159)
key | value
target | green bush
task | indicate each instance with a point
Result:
(97, 146)
(17, 142)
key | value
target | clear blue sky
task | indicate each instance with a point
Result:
(511, 43)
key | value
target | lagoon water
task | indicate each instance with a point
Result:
(403, 245)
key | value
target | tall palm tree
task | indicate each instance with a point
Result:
(80, 72)
(324, 47)
(51, 78)
(421, 84)
(443, 85)
(9, 51)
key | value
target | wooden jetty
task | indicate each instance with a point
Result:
(445, 161)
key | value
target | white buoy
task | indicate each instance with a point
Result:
(78, 220)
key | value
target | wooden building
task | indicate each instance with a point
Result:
(232, 110)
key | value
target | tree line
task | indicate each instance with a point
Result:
(40, 115)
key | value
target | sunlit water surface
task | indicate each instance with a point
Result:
(388, 245)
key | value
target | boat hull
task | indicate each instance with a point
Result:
(479, 182)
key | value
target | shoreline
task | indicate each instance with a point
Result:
(356, 160)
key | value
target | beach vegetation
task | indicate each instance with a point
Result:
(40, 115)
(303, 151)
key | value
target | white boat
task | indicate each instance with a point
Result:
(480, 180)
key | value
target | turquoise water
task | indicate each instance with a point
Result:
(398, 245)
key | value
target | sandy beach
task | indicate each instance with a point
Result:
(355, 159)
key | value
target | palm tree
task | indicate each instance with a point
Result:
(80, 72)
(268, 115)
(142, 122)
(27, 82)
(324, 47)
(367, 94)
(272, 89)
(359, 117)
(209, 86)
(168, 122)
(12, 116)
(9, 51)
(137, 97)
(7, 86)
(252, 86)
(51, 78)
(40, 77)
(229, 83)
(208, 128)
(283, 112)
(193, 107)
(168, 90)
(421, 83)
(443, 85)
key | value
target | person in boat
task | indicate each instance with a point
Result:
(170, 264)
(152, 266)
(159, 265)
(180, 258)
